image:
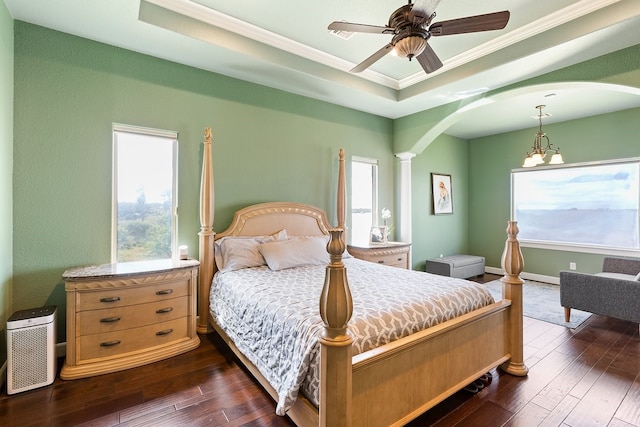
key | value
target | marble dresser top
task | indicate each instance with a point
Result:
(122, 269)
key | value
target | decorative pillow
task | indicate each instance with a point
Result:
(234, 253)
(638, 277)
(295, 252)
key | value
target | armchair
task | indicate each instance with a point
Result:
(615, 292)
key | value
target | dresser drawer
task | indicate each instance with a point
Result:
(121, 297)
(116, 344)
(396, 260)
(133, 316)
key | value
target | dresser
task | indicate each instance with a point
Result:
(395, 254)
(124, 315)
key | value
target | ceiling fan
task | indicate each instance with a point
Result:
(411, 28)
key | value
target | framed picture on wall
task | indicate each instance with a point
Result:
(442, 195)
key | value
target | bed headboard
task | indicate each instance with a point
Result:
(267, 218)
(257, 220)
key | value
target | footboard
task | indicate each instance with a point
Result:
(397, 382)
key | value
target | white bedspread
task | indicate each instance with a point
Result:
(273, 317)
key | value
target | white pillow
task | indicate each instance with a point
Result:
(296, 252)
(638, 277)
(234, 253)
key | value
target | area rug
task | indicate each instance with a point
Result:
(542, 301)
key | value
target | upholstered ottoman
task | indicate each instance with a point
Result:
(460, 266)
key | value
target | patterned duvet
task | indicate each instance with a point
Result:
(273, 317)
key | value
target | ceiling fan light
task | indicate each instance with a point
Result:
(409, 47)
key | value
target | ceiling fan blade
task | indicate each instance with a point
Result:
(429, 60)
(471, 24)
(372, 59)
(422, 11)
(359, 28)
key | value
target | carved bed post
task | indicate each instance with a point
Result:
(341, 204)
(512, 264)
(206, 234)
(336, 308)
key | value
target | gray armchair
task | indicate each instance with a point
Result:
(615, 292)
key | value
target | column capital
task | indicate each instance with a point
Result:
(405, 156)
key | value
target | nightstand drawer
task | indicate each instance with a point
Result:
(120, 318)
(115, 344)
(393, 254)
(396, 260)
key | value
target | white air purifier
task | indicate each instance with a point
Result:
(31, 349)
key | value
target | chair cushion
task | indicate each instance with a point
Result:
(617, 275)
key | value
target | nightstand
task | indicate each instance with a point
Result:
(395, 254)
(124, 315)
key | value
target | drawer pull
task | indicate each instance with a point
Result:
(165, 332)
(381, 261)
(164, 310)
(110, 299)
(109, 343)
(109, 319)
(165, 292)
(399, 259)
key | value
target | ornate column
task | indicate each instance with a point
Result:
(512, 263)
(336, 308)
(405, 231)
(206, 234)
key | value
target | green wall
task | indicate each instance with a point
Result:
(267, 145)
(6, 172)
(603, 137)
(439, 234)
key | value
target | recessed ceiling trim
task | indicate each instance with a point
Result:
(213, 17)
(534, 28)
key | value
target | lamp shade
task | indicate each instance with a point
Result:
(556, 159)
(410, 46)
(528, 162)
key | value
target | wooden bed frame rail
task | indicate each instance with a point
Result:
(395, 383)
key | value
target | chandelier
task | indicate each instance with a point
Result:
(538, 152)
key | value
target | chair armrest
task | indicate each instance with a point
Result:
(624, 265)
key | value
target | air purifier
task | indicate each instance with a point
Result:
(31, 349)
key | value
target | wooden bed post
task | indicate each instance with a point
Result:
(206, 234)
(512, 264)
(341, 205)
(336, 308)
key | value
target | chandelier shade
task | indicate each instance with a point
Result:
(541, 146)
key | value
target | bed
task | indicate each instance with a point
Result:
(342, 370)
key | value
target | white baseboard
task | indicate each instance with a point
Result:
(526, 276)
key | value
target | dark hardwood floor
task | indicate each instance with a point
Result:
(589, 376)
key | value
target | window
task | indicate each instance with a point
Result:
(587, 207)
(144, 207)
(364, 198)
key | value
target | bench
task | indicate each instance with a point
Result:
(460, 266)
